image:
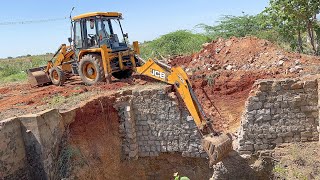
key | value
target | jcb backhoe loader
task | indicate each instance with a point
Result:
(95, 54)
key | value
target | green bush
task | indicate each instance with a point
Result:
(15, 69)
(180, 42)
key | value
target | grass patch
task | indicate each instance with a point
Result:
(14, 70)
(180, 42)
(279, 170)
(55, 101)
(18, 77)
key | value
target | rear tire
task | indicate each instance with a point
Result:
(122, 74)
(57, 76)
(91, 69)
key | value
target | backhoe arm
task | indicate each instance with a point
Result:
(216, 145)
(176, 76)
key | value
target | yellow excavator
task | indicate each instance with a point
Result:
(96, 54)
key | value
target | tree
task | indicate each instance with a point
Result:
(238, 26)
(295, 17)
(241, 26)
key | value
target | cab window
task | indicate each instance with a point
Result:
(91, 32)
(77, 35)
(103, 32)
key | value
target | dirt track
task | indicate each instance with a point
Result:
(21, 98)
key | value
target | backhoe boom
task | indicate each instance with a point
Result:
(216, 145)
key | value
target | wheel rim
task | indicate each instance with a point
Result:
(55, 75)
(89, 71)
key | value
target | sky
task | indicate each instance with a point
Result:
(143, 19)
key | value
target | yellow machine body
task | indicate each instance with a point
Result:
(107, 56)
(93, 14)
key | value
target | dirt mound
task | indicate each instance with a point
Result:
(224, 71)
(248, 53)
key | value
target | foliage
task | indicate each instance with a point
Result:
(279, 170)
(180, 42)
(68, 158)
(14, 69)
(241, 26)
(293, 18)
(56, 100)
(238, 26)
(211, 79)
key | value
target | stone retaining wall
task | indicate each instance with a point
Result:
(29, 145)
(152, 123)
(279, 111)
(12, 151)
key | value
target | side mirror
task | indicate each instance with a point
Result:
(126, 35)
(70, 40)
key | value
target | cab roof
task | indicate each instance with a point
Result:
(93, 14)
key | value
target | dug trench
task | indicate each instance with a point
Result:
(141, 134)
(100, 150)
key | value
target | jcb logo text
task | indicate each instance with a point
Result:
(158, 74)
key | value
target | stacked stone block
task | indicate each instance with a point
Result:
(279, 111)
(127, 131)
(161, 125)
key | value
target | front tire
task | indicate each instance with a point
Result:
(91, 69)
(57, 76)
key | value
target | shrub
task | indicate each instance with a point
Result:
(180, 42)
(14, 69)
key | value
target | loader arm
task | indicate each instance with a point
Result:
(216, 144)
(175, 76)
(62, 58)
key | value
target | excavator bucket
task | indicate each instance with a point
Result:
(217, 147)
(37, 76)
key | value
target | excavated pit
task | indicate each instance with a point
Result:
(146, 133)
(122, 135)
(101, 152)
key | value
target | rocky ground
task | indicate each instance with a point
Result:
(297, 161)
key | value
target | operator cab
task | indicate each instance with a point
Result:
(92, 30)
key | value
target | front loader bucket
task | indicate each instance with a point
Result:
(217, 147)
(37, 76)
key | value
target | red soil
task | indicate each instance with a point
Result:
(224, 71)
(23, 97)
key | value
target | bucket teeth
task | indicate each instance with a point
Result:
(217, 147)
